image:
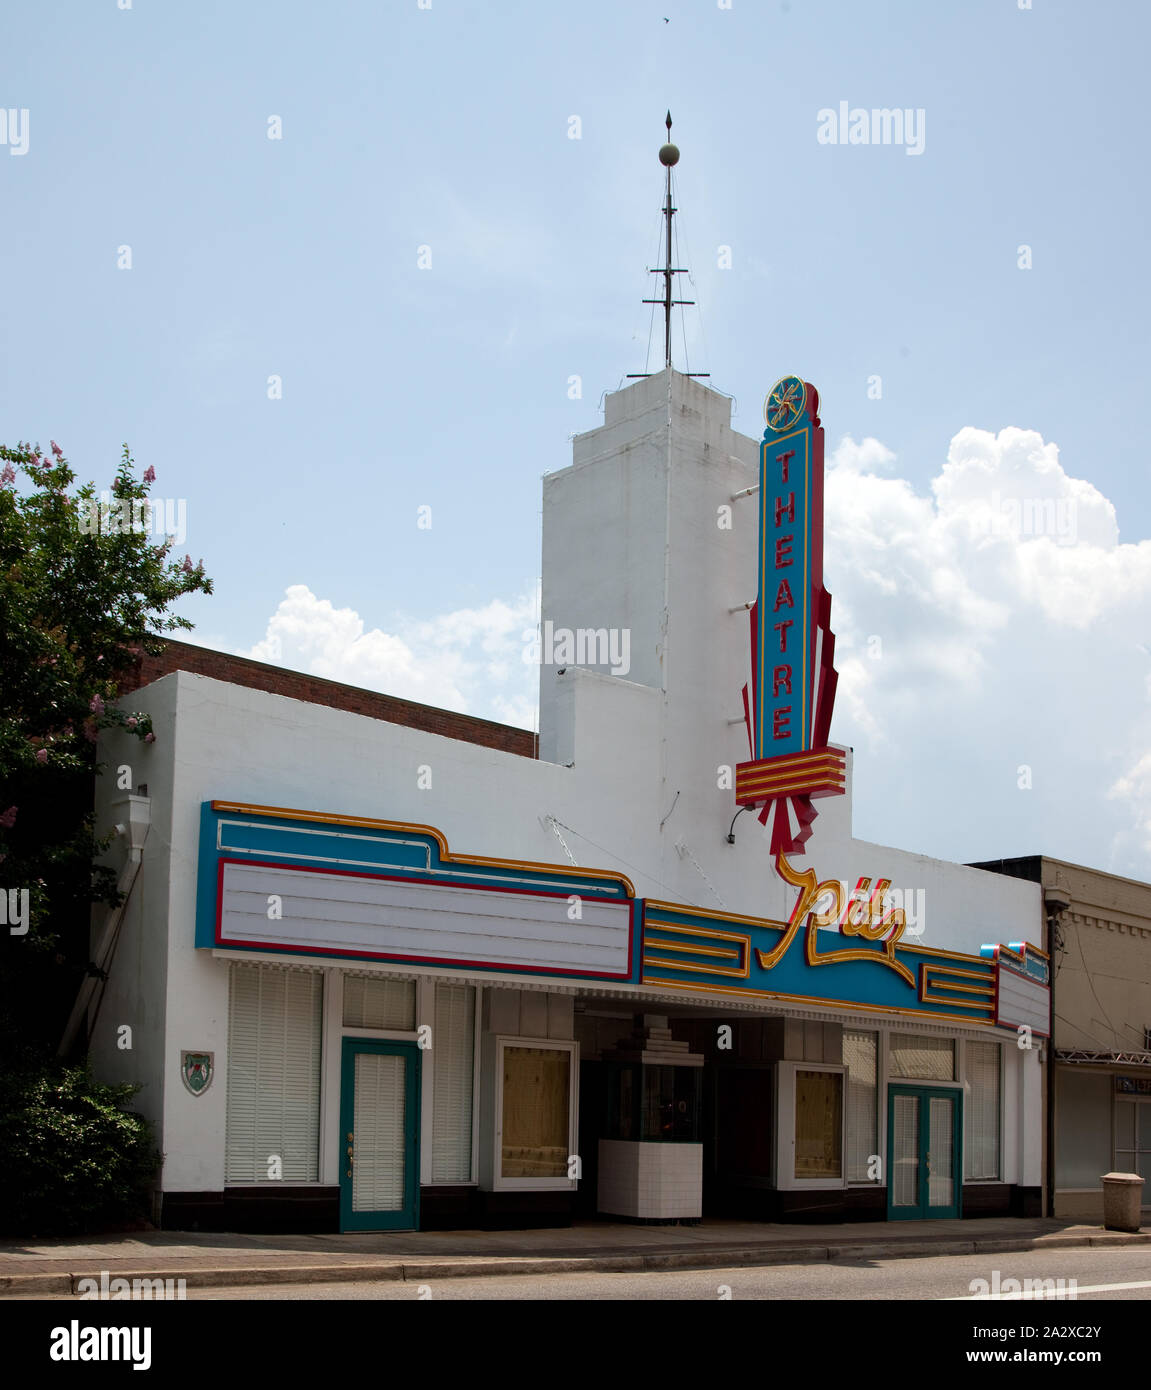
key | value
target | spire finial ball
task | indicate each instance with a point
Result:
(669, 155)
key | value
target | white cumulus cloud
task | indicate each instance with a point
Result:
(471, 660)
(991, 675)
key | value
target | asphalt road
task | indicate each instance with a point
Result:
(1099, 1274)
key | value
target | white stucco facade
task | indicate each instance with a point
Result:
(633, 779)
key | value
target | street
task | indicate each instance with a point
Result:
(1099, 1274)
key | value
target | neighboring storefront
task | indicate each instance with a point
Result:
(1101, 963)
(388, 967)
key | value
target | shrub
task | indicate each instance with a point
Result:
(74, 1158)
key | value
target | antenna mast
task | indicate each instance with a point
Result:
(668, 157)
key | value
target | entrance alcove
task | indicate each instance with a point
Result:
(650, 1153)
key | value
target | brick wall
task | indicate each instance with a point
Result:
(314, 690)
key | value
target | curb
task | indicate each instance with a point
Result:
(509, 1266)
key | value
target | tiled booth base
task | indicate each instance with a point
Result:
(650, 1182)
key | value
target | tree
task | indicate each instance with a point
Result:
(85, 590)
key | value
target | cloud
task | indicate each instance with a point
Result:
(471, 660)
(989, 636)
(990, 641)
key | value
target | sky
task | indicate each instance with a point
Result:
(322, 266)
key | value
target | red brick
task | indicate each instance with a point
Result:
(314, 690)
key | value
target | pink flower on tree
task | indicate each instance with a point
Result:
(41, 755)
(56, 449)
(8, 818)
(97, 705)
(150, 475)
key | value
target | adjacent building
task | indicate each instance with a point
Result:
(1099, 930)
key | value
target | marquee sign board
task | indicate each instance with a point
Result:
(291, 883)
(793, 647)
(1022, 974)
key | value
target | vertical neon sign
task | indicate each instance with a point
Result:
(790, 539)
(793, 678)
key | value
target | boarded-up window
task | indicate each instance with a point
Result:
(536, 1112)
(818, 1124)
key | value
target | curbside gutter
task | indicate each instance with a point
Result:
(424, 1271)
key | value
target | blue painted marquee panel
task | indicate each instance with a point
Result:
(670, 933)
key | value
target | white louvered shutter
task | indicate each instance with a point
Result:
(377, 1001)
(981, 1111)
(452, 1058)
(273, 1071)
(915, 1057)
(860, 1050)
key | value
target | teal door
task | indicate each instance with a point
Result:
(379, 1136)
(923, 1152)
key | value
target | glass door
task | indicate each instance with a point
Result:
(923, 1129)
(379, 1124)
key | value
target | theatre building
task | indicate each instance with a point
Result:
(386, 967)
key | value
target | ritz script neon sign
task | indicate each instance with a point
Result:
(861, 915)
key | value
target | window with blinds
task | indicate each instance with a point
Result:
(273, 1106)
(453, 1061)
(981, 1111)
(921, 1057)
(374, 1001)
(860, 1050)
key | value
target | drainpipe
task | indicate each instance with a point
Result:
(1056, 901)
(133, 818)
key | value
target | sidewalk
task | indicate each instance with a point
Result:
(211, 1260)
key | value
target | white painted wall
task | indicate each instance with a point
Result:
(136, 991)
